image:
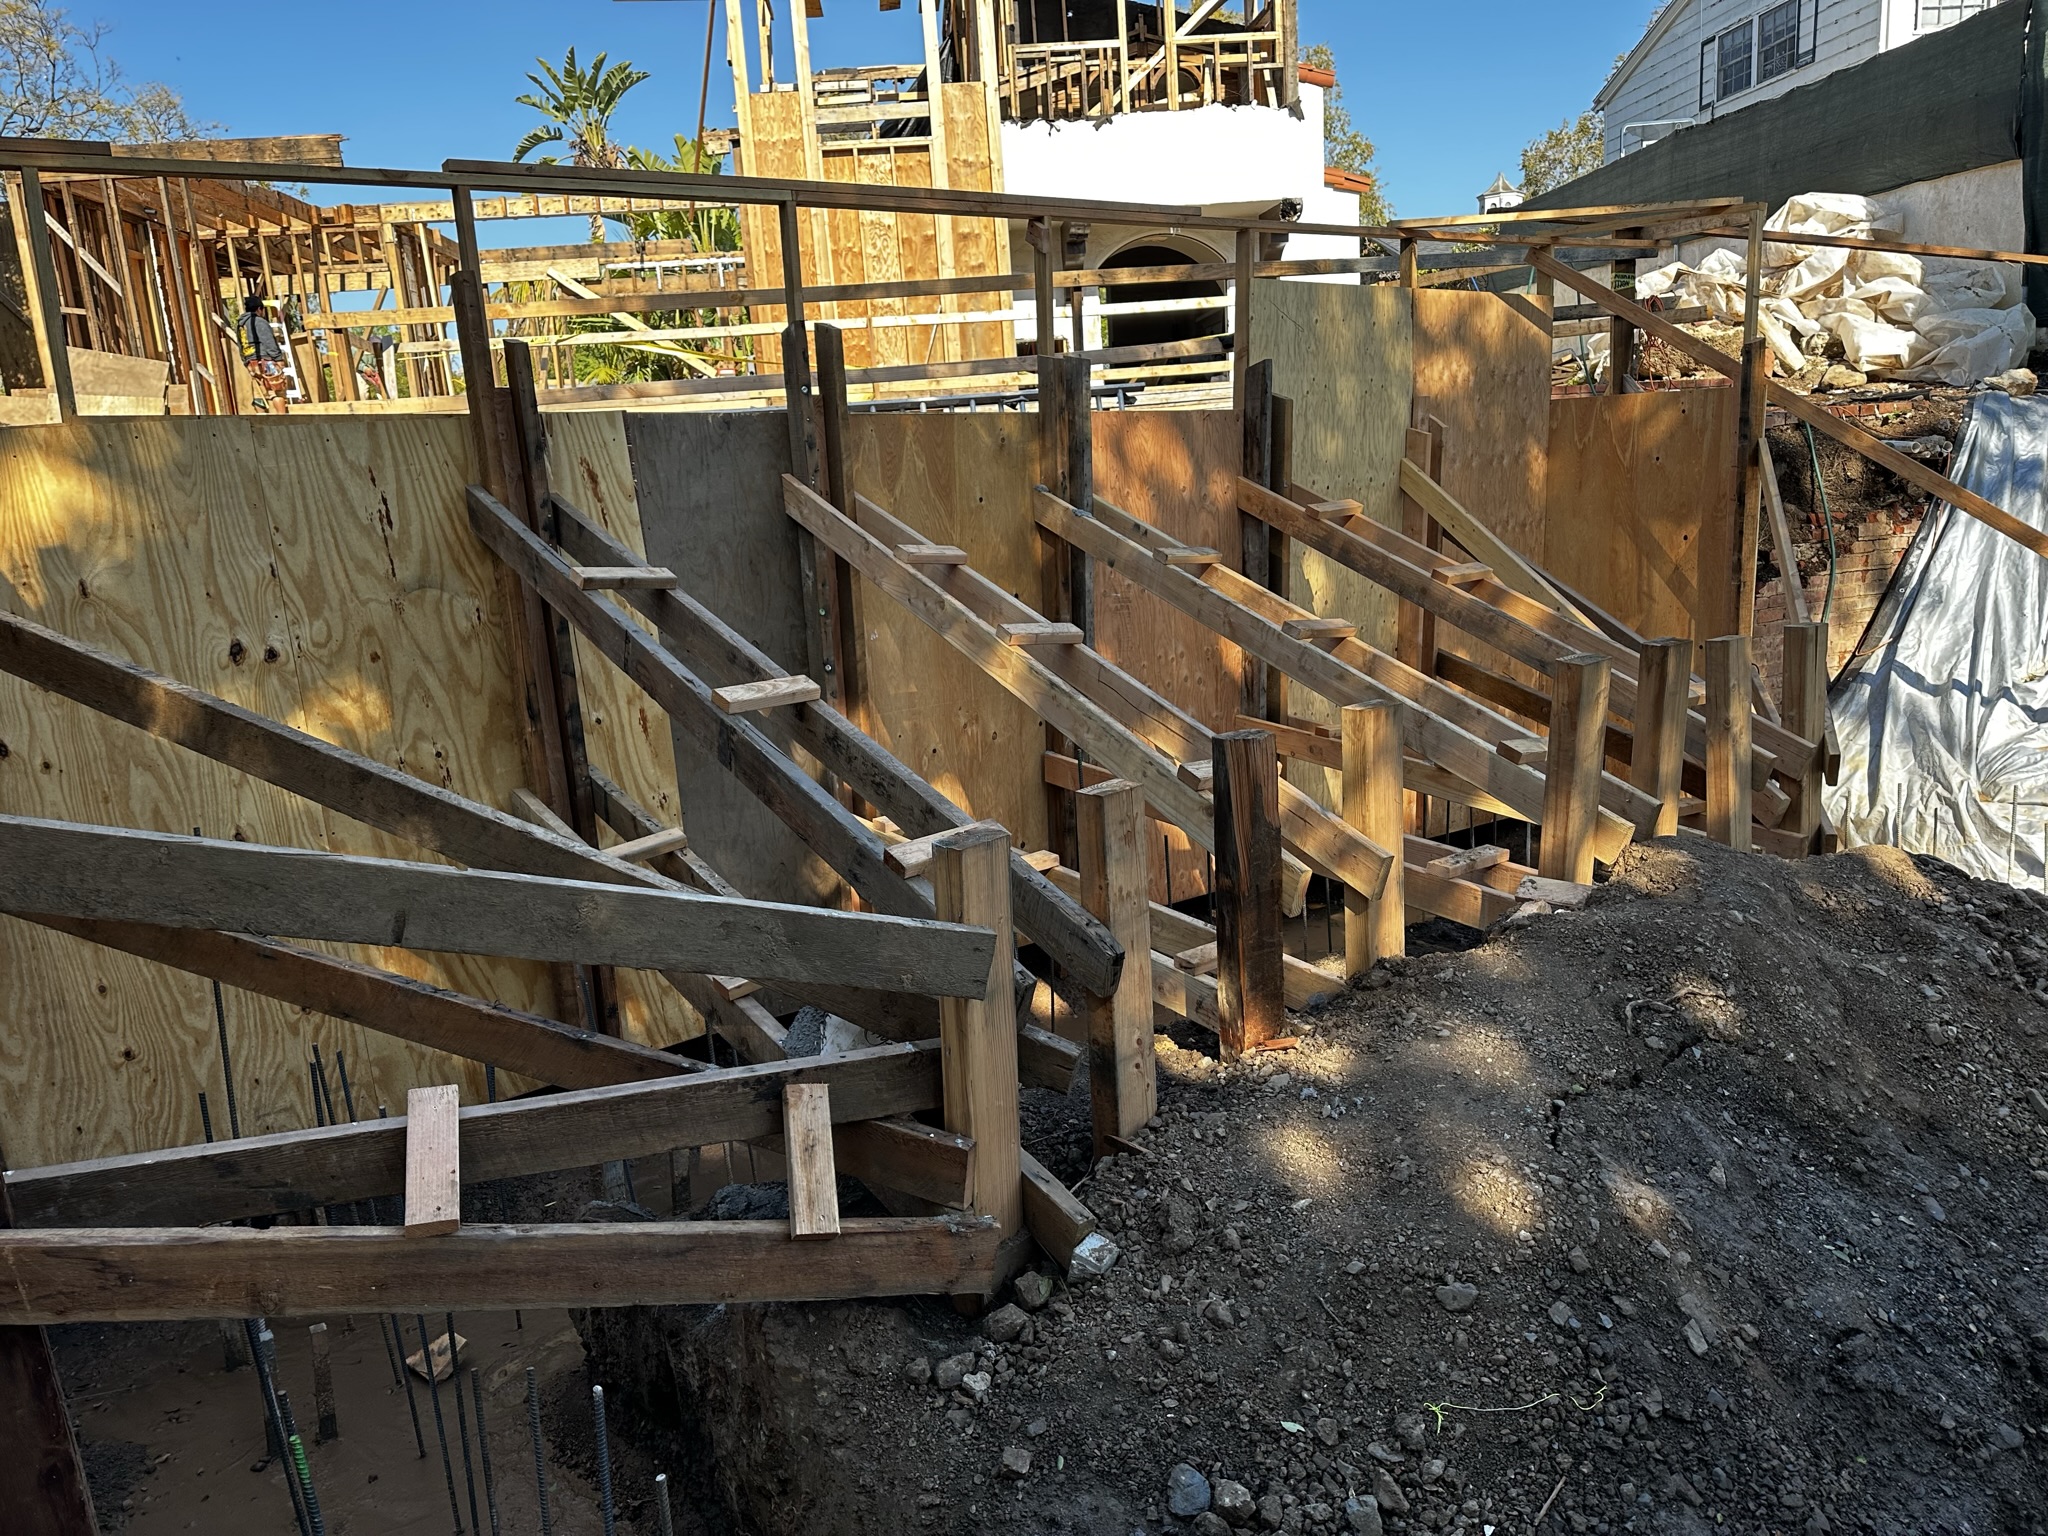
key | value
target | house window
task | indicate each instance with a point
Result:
(1936, 14)
(1777, 51)
(1733, 55)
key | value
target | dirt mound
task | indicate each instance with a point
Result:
(1716, 1206)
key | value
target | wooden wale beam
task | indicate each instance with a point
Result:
(155, 1274)
(332, 1165)
(1052, 918)
(1441, 724)
(1877, 451)
(69, 870)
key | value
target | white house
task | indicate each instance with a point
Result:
(1702, 59)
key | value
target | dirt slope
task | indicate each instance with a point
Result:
(1747, 1165)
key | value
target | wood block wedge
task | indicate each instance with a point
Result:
(931, 554)
(625, 578)
(813, 1175)
(749, 698)
(1022, 635)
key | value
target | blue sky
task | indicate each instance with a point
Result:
(1448, 91)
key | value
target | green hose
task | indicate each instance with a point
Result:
(1826, 517)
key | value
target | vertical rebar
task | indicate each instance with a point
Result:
(483, 1449)
(320, 1088)
(273, 1424)
(405, 1380)
(668, 1519)
(205, 1116)
(540, 1463)
(348, 1098)
(490, 1083)
(604, 1460)
(462, 1421)
(297, 1467)
(227, 1066)
(313, 1088)
(440, 1424)
(389, 1353)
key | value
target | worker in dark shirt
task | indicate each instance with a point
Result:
(262, 354)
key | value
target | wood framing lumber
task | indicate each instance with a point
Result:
(1053, 919)
(1657, 757)
(1375, 928)
(1728, 717)
(750, 698)
(978, 1036)
(1057, 1219)
(155, 1274)
(1468, 861)
(392, 1004)
(909, 1157)
(913, 856)
(433, 1162)
(68, 870)
(388, 799)
(826, 826)
(1174, 932)
(1023, 635)
(1912, 471)
(332, 1165)
(1481, 542)
(1018, 672)
(42, 1479)
(640, 849)
(1578, 742)
(813, 1177)
(1123, 1082)
(931, 554)
(1186, 995)
(1199, 961)
(623, 578)
(1806, 711)
(1249, 982)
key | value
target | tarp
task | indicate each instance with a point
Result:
(1943, 720)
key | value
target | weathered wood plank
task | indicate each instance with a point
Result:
(807, 1148)
(433, 1160)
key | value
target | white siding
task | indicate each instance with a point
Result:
(1664, 84)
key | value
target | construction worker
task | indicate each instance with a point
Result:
(262, 354)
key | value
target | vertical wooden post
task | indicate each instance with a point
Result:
(1806, 715)
(181, 280)
(328, 1421)
(1415, 629)
(45, 299)
(1375, 928)
(1728, 751)
(1411, 265)
(1169, 14)
(473, 338)
(1621, 336)
(42, 1478)
(1571, 786)
(814, 565)
(1749, 433)
(1241, 301)
(845, 686)
(1255, 406)
(970, 876)
(1123, 1084)
(117, 235)
(1279, 553)
(1663, 696)
(1250, 985)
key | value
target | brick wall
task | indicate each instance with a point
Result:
(1864, 567)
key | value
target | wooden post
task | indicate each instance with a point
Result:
(1255, 405)
(1375, 928)
(45, 298)
(1415, 628)
(814, 566)
(433, 1161)
(1411, 265)
(1621, 336)
(1571, 784)
(970, 875)
(844, 686)
(1241, 300)
(1076, 434)
(1806, 715)
(812, 1171)
(1169, 14)
(1279, 555)
(1749, 433)
(328, 1426)
(1728, 753)
(131, 328)
(1663, 696)
(1123, 1084)
(1250, 993)
(42, 1478)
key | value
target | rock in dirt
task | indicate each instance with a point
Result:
(1187, 1491)
(1458, 1296)
(1016, 1463)
(1005, 1325)
(1362, 1516)
(952, 1371)
(1233, 1501)
(1388, 1494)
(1209, 1523)
(1033, 1290)
(1272, 1512)
(917, 1370)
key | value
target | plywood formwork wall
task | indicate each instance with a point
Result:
(1641, 503)
(849, 246)
(1345, 355)
(322, 573)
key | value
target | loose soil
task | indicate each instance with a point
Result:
(1746, 1166)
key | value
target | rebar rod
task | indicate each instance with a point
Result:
(405, 1381)
(440, 1424)
(297, 1466)
(462, 1421)
(540, 1464)
(483, 1449)
(604, 1461)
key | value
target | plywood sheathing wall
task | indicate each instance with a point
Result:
(710, 501)
(848, 246)
(1642, 501)
(322, 573)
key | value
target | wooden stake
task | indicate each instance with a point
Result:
(1578, 746)
(1375, 928)
(1115, 886)
(1657, 766)
(1250, 983)
(807, 1148)
(978, 1039)
(1728, 794)
(1806, 712)
(433, 1163)
(329, 1426)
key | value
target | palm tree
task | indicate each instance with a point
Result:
(578, 104)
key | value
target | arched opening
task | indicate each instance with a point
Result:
(1174, 324)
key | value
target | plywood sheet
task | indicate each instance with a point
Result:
(1642, 507)
(319, 571)
(1345, 355)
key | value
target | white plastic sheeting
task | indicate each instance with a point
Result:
(1899, 317)
(1943, 722)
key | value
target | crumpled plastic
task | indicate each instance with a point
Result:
(1944, 319)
